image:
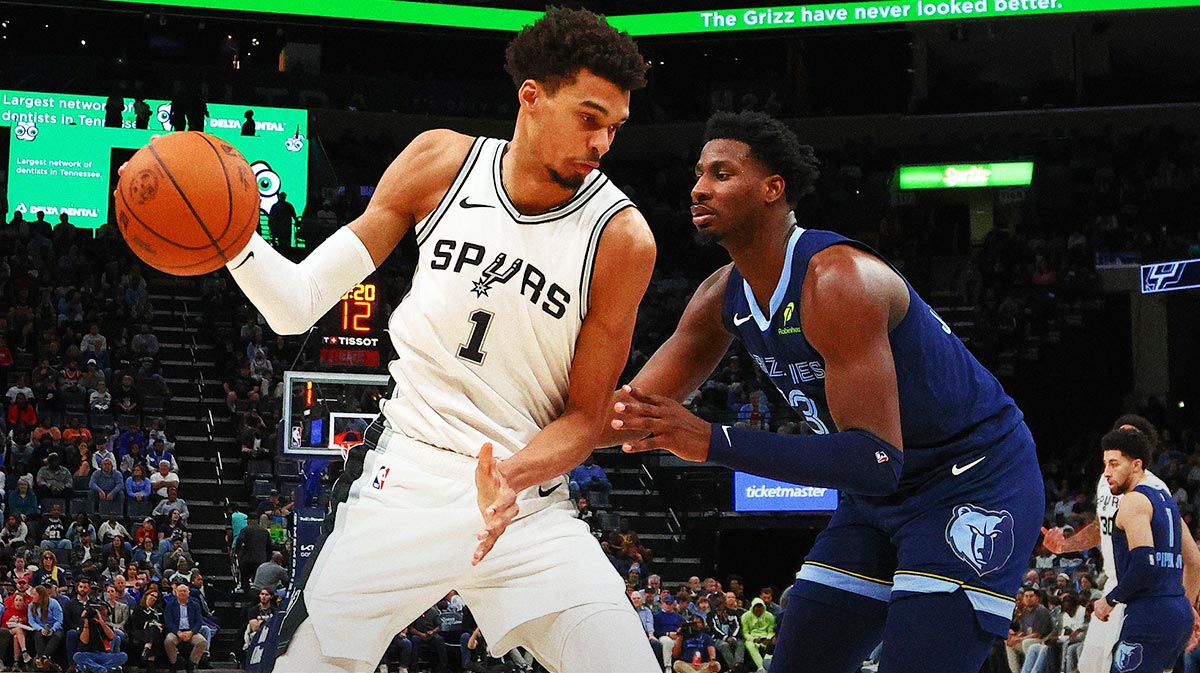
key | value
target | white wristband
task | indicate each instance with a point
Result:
(293, 296)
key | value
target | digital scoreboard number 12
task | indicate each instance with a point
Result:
(358, 305)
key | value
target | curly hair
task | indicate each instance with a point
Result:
(773, 145)
(558, 45)
(1133, 443)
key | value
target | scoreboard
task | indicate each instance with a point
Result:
(353, 335)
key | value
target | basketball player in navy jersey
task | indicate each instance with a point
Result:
(941, 491)
(1150, 556)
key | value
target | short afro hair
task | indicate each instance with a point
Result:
(1133, 443)
(1141, 423)
(554, 49)
(773, 145)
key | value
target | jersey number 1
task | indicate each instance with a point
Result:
(472, 351)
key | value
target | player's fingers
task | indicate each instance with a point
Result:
(482, 550)
(644, 397)
(642, 423)
(642, 445)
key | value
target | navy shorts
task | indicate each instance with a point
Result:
(1153, 635)
(971, 525)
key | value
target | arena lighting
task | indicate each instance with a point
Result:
(696, 21)
(1018, 173)
(1171, 276)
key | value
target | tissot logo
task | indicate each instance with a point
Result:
(352, 341)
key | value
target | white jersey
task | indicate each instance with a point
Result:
(485, 337)
(1106, 517)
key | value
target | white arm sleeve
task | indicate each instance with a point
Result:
(293, 296)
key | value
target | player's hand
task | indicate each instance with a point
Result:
(1101, 609)
(671, 426)
(1054, 540)
(1194, 641)
(497, 502)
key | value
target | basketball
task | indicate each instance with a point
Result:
(187, 202)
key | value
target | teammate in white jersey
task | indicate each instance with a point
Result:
(1102, 636)
(513, 336)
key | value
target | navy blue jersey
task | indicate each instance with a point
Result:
(1168, 554)
(951, 408)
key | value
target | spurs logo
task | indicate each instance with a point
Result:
(492, 274)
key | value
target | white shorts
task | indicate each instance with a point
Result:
(1098, 643)
(405, 536)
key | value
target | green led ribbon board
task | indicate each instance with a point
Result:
(675, 23)
(957, 176)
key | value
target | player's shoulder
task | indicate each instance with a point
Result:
(628, 234)
(440, 148)
(1135, 502)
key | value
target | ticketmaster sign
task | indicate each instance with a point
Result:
(759, 494)
(698, 21)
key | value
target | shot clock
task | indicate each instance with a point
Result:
(352, 334)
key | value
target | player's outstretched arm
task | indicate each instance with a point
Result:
(293, 296)
(686, 359)
(1085, 538)
(849, 302)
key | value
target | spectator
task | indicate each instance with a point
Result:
(755, 414)
(281, 220)
(46, 616)
(76, 431)
(100, 401)
(54, 480)
(1074, 622)
(172, 503)
(146, 627)
(1029, 643)
(424, 632)
(685, 605)
(647, 617)
(46, 427)
(72, 388)
(181, 622)
(113, 533)
(23, 500)
(102, 453)
(131, 435)
(271, 575)
(73, 614)
(163, 479)
(14, 533)
(694, 650)
(99, 646)
(137, 487)
(253, 548)
(126, 397)
(145, 343)
(107, 486)
(275, 505)
(666, 628)
(86, 552)
(21, 415)
(82, 525)
(133, 458)
(588, 480)
(149, 552)
(241, 386)
(21, 387)
(94, 345)
(768, 596)
(758, 631)
(725, 624)
(54, 530)
(141, 113)
(146, 530)
(257, 614)
(173, 528)
(183, 572)
(12, 633)
(21, 454)
(160, 451)
(92, 377)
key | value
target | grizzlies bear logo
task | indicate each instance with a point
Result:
(1128, 656)
(982, 538)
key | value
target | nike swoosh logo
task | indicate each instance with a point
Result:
(465, 204)
(545, 492)
(248, 258)
(738, 322)
(956, 470)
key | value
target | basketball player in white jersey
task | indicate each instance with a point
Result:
(518, 324)
(1102, 636)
